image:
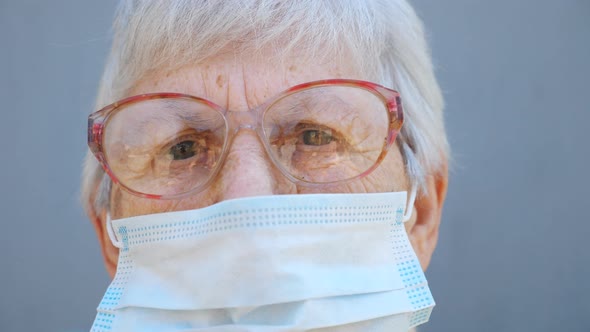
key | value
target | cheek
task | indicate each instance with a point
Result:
(390, 176)
(124, 205)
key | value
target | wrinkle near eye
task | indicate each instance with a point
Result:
(129, 160)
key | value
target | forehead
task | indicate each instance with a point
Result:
(241, 85)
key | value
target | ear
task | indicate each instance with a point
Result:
(110, 253)
(423, 226)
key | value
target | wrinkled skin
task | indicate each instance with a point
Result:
(241, 86)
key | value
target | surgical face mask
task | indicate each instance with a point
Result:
(327, 262)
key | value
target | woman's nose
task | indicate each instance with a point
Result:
(247, 170)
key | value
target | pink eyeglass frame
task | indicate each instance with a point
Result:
(98, 120)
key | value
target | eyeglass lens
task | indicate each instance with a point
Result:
(319, 135)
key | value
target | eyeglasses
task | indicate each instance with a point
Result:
(168, 145)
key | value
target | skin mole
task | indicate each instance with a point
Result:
(220, 81)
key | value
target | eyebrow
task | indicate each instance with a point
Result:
(194, 121)
(344, 109)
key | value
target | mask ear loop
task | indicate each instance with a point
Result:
(410, 205)
(111, 232)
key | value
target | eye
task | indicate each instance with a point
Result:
(317, 137)
(183, 150)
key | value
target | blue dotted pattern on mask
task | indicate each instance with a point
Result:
(106, 309)
(399, 215)
(411, 273)
(420, 317)
(256, 218)
(124, 238)
(420, 297)
(410, 270)
(223, 221)
(102, 322)
(407, 263)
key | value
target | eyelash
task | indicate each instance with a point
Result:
(322, 130)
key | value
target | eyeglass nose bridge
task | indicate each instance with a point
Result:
(250, 120)
(238, 120)
(242, 120)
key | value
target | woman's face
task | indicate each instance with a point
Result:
(248, 171)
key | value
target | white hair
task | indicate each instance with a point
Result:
(383, 38)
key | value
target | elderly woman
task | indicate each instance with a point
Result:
(255, 170)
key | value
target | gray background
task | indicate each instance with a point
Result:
(513, 253)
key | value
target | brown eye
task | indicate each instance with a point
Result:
(183, 150)
(317, 137)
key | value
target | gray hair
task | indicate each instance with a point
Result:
(383, 38)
